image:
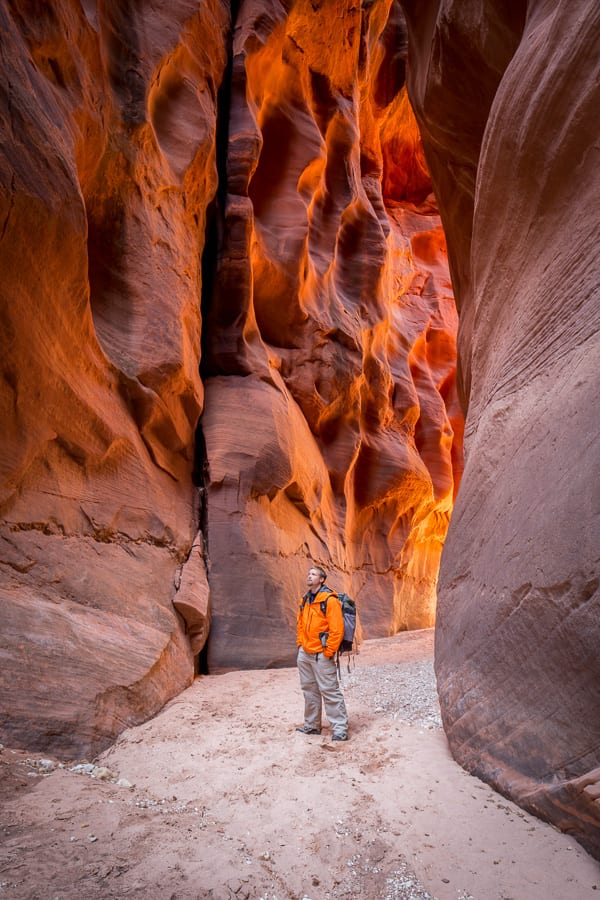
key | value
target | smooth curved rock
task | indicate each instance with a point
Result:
(519, 602)
(107, 166)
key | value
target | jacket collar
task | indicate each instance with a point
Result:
(310, 598)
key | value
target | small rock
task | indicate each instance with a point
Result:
(48, 765)
(83, 769)
(101, 773)
(124, 783)
(92, 838)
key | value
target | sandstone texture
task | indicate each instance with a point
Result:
(512, 146)
(227, 347)
(332, 425)
(107, 165)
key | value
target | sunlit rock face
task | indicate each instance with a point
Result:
(512, 147)
(107, 165)
(329, 358)
(227, 219)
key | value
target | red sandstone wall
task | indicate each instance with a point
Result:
(107, 165)
(261, 210)
(516, 173)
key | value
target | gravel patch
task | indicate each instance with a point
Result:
(405, 692)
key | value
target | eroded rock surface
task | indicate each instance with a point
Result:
(177, 192)
(107, 165)
(516, 173)
(168, 183)
(332, 426)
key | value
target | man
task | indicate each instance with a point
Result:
(319, 633)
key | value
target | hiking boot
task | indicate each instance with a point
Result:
(340, 737)
(306, 730)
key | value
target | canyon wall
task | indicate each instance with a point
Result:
(225, 223)
(331, 422)
(107, 166)
(228, 349)
(507, 104)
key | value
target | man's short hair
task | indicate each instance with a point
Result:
(321, 571)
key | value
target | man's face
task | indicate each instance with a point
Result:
(314, 580)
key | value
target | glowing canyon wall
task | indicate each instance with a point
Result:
(329, 341)
(107, 165)
(228, 347)
(512, 146)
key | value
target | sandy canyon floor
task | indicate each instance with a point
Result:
(220, 797)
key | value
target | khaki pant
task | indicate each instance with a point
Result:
(319, 683)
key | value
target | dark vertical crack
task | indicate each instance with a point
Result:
(216, 209)
(200, 480)
(212, 242)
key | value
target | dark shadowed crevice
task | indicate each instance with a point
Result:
(201, 661)
(200, 480)
(212, 243)
(213, 238)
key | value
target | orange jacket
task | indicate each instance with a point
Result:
(312, 622)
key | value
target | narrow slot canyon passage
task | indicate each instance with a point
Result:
(276, 281)
(331, 419)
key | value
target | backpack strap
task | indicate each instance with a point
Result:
(323, 608)
(323, 603)
(304, 600)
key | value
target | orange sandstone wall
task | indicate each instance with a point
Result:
(329, 349)
(232, 221)
(107, 165)
(513, 149)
